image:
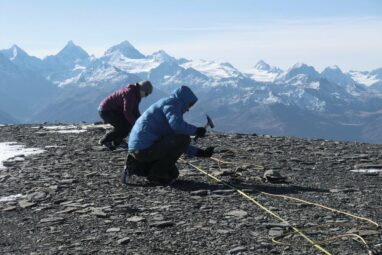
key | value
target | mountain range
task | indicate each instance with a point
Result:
(300, 101)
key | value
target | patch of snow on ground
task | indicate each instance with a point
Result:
(367, 171)
(92, 126)
(73, 131)
(15, 152)
(54, 146)
(11, 198)
(69, 129)
(60, 127)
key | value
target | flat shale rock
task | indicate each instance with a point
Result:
(161, 224)
(73, 203)
(124, 240)
(10, 208)
(36, 196)
(136, 219)
(52, 220)
(26, 204)
(237, 213)
(236, 250)
(113, 230)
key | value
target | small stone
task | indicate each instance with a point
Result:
(237, 250)
(53, 188)
(25, 204)
(99, 213)
(67, 181)
(36, 196)
(276, 231)
(91, 174)
(9, 163)
(239, 169)
(161, 224)
(224, 231)
(10, 208)
(237, 213)
(199, 193)
(113, 230)
(52, 219)
(223, 191)
(273, 225)
(124, 240)
(158, 217)
(67, 210)
(135, 219)
(368, 232)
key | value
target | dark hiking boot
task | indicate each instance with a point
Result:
(121, 144)
(124, 145)
(125, 176)
(108, 145)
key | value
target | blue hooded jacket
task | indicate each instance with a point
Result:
(165, 117)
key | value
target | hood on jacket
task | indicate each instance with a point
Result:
(185, 95)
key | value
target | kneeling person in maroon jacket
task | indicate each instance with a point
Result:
(121, 110)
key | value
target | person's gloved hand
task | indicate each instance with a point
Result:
(207, 153)
(200, 132)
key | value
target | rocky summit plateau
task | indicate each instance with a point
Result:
(67, 199)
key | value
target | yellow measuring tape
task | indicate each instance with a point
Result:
(298, 231)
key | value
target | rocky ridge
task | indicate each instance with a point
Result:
(69, 199)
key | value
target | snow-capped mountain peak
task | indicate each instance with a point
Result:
(302, 69)
(17, 51)
(162, 56)
(334, 74)
(265, 97)
(14, 52)
(332, 70)
(72, 52)
(261, 65)
(127, 49)
(263, 72)
(19, 57)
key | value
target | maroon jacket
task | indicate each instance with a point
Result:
(125, 100)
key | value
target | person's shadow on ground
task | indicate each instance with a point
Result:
(191, 185)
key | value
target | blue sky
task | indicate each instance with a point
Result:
(347, 33)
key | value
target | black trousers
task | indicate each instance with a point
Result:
(157, 162)
(121, 127)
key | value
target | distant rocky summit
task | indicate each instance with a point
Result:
(68, 199)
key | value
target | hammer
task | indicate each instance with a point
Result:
(208, 124)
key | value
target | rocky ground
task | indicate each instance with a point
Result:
(73, 203)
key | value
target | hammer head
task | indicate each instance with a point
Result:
(209, 122)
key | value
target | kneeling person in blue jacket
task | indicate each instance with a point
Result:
(160, 136)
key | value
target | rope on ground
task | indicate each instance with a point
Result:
(313, 243)
(358, 237)
(298, 231)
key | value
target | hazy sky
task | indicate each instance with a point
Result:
(347, 33)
